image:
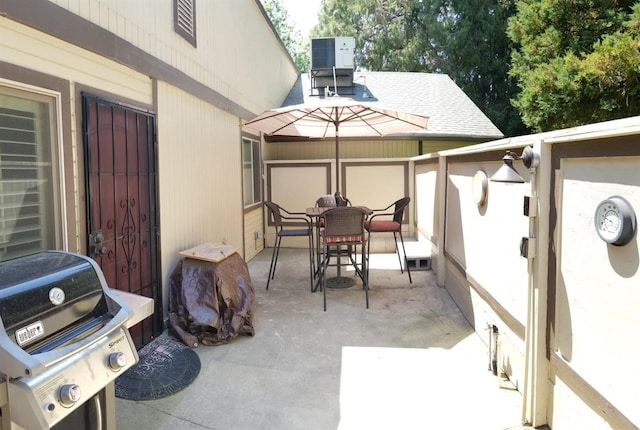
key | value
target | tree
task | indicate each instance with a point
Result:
(391, 35)
(577, 61)
(465, 39)
(297, 46)
(477, 59)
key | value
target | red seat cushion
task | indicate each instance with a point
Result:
(382, 226)
(343, 239)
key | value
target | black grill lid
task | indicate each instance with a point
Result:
(59, 304)
(26, 286)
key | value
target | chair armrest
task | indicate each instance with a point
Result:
(375, 215)
(293, 213)
(295, 216)
(383, 209)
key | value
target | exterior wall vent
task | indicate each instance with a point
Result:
(184, 19)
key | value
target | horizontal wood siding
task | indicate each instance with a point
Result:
(322, 149)
(253, 223)
(40, 52)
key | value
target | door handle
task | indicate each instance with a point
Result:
(96, 244)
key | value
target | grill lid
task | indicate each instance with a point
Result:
(52, 304)
(46, 293)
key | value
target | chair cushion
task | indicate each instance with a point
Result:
(343, 239)
(294, 232)
(382, 226)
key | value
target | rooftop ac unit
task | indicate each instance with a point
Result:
(330, 52)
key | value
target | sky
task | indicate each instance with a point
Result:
(302, 13)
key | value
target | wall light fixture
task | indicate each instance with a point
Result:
(508, 173)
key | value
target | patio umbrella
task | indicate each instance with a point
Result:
(336, 117)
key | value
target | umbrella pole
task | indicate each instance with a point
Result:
(337, 156)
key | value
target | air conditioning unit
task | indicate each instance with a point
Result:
(332, 62)
(330, 52)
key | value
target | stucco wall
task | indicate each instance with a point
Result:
(597, 298)
(566, 315)
(376, 184)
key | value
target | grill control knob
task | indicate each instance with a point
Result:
(117, 360)
(69, 395)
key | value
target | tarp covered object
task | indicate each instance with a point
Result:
(211, 302)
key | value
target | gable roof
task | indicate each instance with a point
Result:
(451, 113)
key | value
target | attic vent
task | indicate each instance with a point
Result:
(184, 19)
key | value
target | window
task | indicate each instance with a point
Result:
(184, 19)
(251, 171)
(28, 172)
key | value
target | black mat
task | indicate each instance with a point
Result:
(165, 367)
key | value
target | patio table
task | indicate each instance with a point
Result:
(338, 281)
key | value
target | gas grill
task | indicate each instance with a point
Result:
(63, 340)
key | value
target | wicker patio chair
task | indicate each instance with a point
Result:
(326, 201)
(341, 200)
(344, 227)
(379, 222)
(280, 216)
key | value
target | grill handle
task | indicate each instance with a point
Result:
(18, 363)
(98, 414)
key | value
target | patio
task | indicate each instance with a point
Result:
(410, 361)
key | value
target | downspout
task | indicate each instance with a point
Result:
(337, 125)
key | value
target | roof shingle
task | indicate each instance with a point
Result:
(451, 113)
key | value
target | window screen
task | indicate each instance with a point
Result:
(27, 190)
(251, 171)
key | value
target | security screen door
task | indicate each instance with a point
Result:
(122, 213)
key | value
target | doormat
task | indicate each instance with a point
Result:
(165, 367)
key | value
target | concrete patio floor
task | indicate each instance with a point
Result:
(410, 361)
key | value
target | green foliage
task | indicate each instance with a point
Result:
(465, 39)
(577, 61)
(477, 58)
(297, 46)
(393, 35)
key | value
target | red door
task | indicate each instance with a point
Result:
(122, 213)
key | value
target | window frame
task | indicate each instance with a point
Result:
(256, 170)
(56, 209)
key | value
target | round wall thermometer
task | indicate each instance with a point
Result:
(615, 221)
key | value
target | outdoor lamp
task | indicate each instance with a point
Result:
(508, 173)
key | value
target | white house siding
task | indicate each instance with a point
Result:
(200, 174)
(323, 149)
(237, 54)
(33, 50)
(128, 51)
(253, 226)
